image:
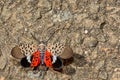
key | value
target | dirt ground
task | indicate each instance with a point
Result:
(90, 27)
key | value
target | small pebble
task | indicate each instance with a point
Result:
(26, 29)
(86, 31)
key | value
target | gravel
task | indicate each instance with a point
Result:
(90, 27)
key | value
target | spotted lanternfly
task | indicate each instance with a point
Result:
(50, 55)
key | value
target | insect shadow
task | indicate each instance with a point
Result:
(77, 60)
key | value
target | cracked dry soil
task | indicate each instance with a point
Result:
(90, 27)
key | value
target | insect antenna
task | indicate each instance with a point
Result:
(44, 42)
(33, 35)
(51, 35)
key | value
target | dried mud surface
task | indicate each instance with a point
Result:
(90, 27)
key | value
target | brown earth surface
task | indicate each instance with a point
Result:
(90, 27)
